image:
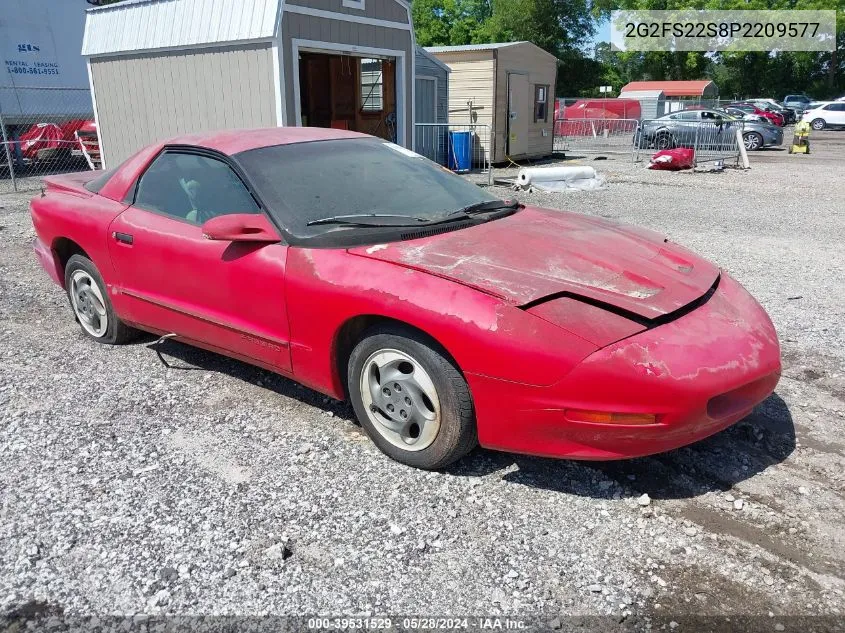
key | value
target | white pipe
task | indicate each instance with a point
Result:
(742, 153)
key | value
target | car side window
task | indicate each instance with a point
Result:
(689, 116)
(193, 188)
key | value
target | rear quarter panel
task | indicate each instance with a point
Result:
(82, 218)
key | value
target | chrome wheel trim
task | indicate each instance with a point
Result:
(818, 124)
(400, 399)
(88, 304)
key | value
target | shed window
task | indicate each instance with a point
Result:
(541, 103)
(354, 4)
(372, 85)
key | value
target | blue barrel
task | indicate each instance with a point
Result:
(460, 151)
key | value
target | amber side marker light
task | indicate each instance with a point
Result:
(606, 417)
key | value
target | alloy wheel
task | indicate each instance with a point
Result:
(88, 303)
(752, 141)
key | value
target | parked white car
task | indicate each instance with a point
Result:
(826, 114)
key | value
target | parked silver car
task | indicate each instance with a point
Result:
(679, 129)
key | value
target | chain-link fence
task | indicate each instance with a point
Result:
(460, 147)
(590, 136)
(710, 140)
(45, 131)
(572, 108)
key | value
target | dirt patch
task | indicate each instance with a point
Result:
(726, 525)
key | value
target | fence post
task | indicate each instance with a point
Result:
(743, 155)
(698, 128)
(7, 147)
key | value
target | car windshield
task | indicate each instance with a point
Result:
(308, 184)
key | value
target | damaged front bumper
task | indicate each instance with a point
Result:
(697, 374)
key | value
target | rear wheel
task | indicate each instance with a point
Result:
(90, 302)
(753, 141)
(411, 400)
(818, 124)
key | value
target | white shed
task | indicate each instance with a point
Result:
(160, 68)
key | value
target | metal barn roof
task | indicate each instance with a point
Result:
(672, 88)
(422, 51)
(142, 25)
(486, 47)
(641, 94)
(471, 47)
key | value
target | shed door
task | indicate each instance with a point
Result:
(427, 138)
(520, 111)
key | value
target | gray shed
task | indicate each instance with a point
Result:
(432, 105)
(160, 68)
(652, 102)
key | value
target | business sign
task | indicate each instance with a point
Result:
(29, 54)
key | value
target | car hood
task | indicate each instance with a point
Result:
(538, 254)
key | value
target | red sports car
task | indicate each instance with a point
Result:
(447, 316)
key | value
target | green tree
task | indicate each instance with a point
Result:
(560, 27)
(450, 22)
(556, 26)
(743, 74)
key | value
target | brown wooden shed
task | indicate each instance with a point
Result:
(508, 86)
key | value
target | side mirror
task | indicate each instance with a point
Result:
(240, 227)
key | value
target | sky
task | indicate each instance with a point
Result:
(602, 34)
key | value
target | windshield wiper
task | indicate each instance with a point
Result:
(361, 219)
(486, 207)
(383, 219)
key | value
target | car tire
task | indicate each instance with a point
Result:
(664, 140)
(753, 141)
(410, 398)
(818, 124)
(90, 303)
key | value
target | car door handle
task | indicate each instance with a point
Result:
(124, 238)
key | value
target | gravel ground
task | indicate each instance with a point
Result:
(216, 488)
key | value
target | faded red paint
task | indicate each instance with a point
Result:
(537, 253)
(524, 305)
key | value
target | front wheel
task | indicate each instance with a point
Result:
(90, 302)
(818, 124)
(664, 140)
(411, 400)
(753, 141)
